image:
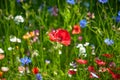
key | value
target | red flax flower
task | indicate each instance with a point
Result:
(107, 55)
(76, 29)
(81, 61)
(60, 35)
(72, 71)
(115, 76)
(100, 62)
(35, 70)
(92, 72)
(91, 69)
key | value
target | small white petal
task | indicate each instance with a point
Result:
(1, 50)
(82, 50)
(79, 45)
(10, 48)
(60, 52)
(86, 44)
(94, 75)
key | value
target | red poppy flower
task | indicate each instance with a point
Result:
(35, 70)
(107, 55)
(60, 35)
(71, 72)
(100, 62)
(81, 61)
(52, 35)
(115, 76)
(91, 69)
(76, 29)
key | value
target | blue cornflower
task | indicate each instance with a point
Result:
(38, 76)
(118, 13)
(117, 19)
(108, 41)
(83, 23)
(71, 1)
(103, 1)
(25, 61)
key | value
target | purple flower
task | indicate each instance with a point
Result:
(38, 76)
(83, 23)
(36, 32)
(53, 10)
(108, 41)
(25, 61)
(103, 1)
(71, 1)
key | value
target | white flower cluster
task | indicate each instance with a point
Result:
(18, 19)
(82, 49)
(15, 39)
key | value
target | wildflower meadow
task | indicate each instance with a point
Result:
(59, 39)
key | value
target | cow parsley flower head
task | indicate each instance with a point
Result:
(19, 19)
(103, 1)
(15, 39)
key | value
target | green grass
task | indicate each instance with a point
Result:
(69, 15)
